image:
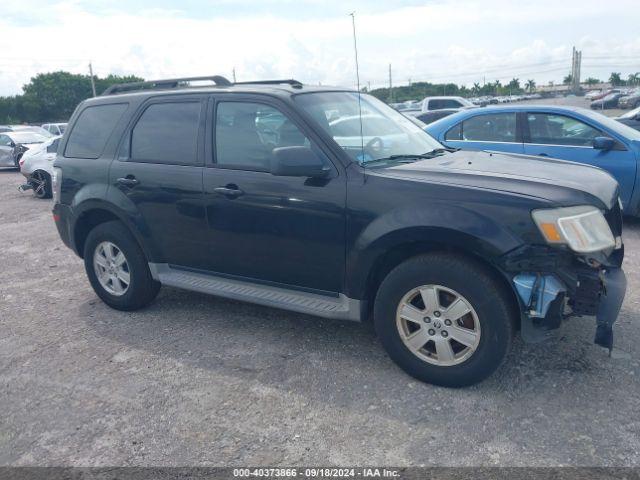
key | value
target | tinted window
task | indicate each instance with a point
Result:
(5, 141)
(451, 104)
(454, 133)
(436, 104)
(53, 148)
(247, 133)
(433, 116)
(495, 127)
(167, 133)
(92, 130)
(560, 130)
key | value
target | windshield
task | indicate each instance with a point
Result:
(27, 137)
(619, 128)
(385, 132)
(631, 113)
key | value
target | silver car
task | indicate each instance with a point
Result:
(37, 166)
(14, 144)
(55, 128)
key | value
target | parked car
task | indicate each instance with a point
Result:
(632, 100)
(565, 133)
(55, 128)
(610, 101)
(631, 118)
(437, 103)
(14, 144)
(433, 115)
(37, 166)
(5, 128)
(31, 128)
(592, 95)
(603, 93)
(448, 252)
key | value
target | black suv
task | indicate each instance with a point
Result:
(327, 202)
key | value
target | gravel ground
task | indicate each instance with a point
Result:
(197, 380)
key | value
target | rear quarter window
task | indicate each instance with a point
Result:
(92, 129)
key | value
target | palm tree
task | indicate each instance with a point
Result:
(497, 86)
(615, 79)
(531, 85)
(476, 88)
(568, 79)
(633, 79)
(514, 84)
(592, 81)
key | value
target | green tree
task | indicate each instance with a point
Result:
(531, 85)
(53, 96)
(616, 79)
(592, 81)
(476, 88)
(633, 78)
(568, 79)
(514, 84)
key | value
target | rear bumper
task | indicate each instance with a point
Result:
(63, 218)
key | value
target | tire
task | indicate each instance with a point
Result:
(487, 328)
(141, 289)
(41, 183)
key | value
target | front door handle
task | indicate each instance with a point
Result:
(543, 154)
(128, 181)
(228, 192)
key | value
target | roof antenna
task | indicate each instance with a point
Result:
(355, 49)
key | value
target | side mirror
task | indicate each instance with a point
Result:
(297, 162)
(603, 143)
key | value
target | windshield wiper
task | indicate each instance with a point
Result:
(402, 158)
(444, 150)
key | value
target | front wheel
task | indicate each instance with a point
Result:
(444, 319)
(117, 267)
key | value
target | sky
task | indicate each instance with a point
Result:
(459, 41)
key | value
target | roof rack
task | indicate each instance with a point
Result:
(163, 84)
(290, 81)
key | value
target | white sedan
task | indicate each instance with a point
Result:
(37, 166)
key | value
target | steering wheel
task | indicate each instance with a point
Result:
(374, 146)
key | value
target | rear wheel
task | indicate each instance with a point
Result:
(444, 319)
(117, 267)
(41, 183)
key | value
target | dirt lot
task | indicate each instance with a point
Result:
(200, 380)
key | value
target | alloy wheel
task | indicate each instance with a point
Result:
(111, 268)
(438, 325)
(39, 184)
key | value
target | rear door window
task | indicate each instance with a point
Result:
(92, 130)
(167, 133)
(494, 127)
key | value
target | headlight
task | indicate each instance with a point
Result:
(583, 228)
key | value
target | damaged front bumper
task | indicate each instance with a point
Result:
(552, 286)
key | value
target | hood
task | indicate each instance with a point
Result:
(558, 181)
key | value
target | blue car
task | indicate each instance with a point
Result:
(566, 133)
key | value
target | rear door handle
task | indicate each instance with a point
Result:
(128, 181)
(228, 192)
(543, 154)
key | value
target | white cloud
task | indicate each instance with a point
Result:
(448, 40)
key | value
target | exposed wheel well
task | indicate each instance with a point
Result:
(399, 254)
(87, 222)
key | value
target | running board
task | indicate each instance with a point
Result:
(340, 307)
